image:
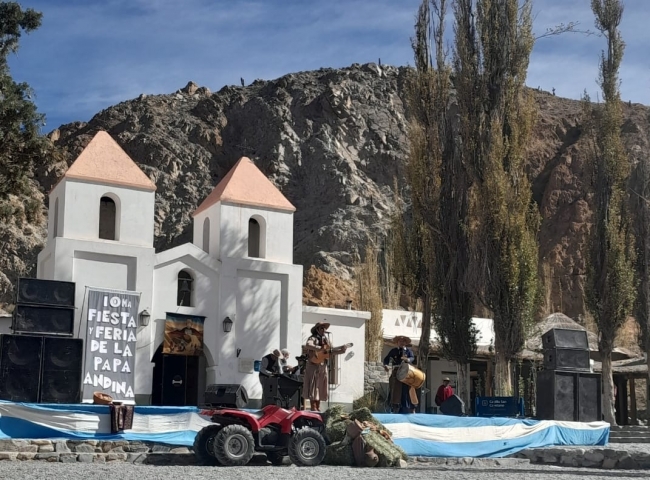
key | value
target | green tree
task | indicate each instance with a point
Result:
(21, 144)
(640, 213)
(610, 276)
(435, 243)
(492, 49)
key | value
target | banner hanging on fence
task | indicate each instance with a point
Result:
(111, 328)
(183, 334)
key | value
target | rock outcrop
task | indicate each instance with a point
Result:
(334, 141)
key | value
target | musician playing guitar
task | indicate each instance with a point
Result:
(399, 393)
(316, 378)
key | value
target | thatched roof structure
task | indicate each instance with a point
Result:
(635, 367)
(558, 320)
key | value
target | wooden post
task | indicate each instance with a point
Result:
(632, 400)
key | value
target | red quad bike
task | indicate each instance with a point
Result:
(276, 431)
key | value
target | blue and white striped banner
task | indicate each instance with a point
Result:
(170, 425)
(425, 435)
(418, 434)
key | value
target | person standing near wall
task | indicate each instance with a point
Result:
(399, 393)
(270, 366)
(444, 392)
(315, 387)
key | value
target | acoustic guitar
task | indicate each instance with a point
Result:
(324, 354)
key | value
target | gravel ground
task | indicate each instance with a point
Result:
(78, 471)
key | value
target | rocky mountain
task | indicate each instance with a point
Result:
(335, 143)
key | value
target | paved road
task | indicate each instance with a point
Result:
(120, 471)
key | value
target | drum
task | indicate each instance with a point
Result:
(411, 376)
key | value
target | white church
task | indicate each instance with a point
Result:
(238, 273)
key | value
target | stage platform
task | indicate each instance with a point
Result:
(420, 435)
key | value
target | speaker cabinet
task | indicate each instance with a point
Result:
(33, 291)
(283, 391)
(234, 396)
(40, 369)
(565, 338)
(453, 406)
(20, 367)
(38, 319)
(61, 386)
(62, 364)
(566, 359)
(569, 396)
(62, 354)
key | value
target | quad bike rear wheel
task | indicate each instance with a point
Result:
(307, 448)
(204, 445)
(234, 445)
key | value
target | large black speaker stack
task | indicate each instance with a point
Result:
(41, 362)
(566, 388)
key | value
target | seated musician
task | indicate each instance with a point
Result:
(284, 362)
(315, 387)
(399, 392)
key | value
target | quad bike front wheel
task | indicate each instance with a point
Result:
(307, 448)
(204, 445)
(234, 445)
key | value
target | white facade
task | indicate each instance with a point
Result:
(240, 263)
(402, 322)
(347, 326)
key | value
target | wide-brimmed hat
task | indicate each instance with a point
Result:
(402, 337)
(319, 324)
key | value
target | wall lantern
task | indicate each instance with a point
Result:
(144, 317)
(227, 325)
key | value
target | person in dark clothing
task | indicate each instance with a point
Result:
(270, 366)
(444, 392)
(399, 393)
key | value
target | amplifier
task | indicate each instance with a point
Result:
(34, 291)
(566, 359)
(46, 320)
(234, 396)
(571, 396)
(565, 338)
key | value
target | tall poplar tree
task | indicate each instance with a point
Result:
(436, 241)
(610, 275)
(493, 42)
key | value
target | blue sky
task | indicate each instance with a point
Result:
(90, 54)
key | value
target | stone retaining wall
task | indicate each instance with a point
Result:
(373, 372)
(593, 457)
(93, 451)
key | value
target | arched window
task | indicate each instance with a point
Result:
(107, 218)
(206, 235)
(55, 229)
(185, 289)
(253, 238)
